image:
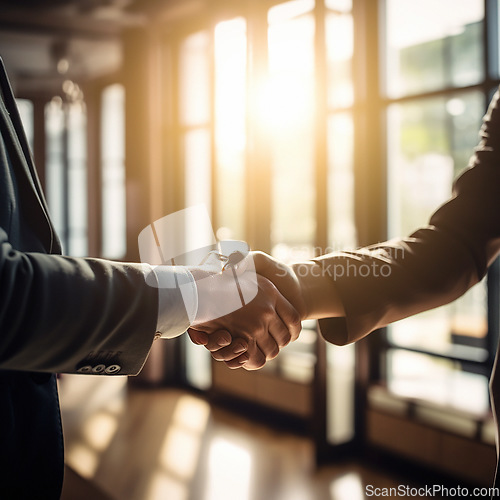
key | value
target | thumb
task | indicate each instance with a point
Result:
(197, 337)
(266, 265)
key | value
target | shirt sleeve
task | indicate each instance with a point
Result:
(176, 310)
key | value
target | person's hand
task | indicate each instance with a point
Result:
(265, 325)
(234, 353)
(284, 277)
(308, 285)
(233, 350)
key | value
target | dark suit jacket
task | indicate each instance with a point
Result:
(57, 314)
(433, 266)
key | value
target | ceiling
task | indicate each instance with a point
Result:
(46, 42)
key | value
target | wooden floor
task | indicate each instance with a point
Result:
(137, 444)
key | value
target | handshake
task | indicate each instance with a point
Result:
(256, 329)
(249, 305)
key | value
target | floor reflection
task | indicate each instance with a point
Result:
(168, 444)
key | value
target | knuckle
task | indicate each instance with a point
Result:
(286, 340)
(218, 356)
(295, 320)
(268, 313)
(274, 352)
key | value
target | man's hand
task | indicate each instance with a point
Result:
(235, 353)
(284, 277)
(309, 285)
(266, 324)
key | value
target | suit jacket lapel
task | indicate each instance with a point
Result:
(20, 158)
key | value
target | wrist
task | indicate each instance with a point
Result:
(318, 291)
(302, 272)
(301, 298)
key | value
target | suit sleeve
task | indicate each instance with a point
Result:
(61, 314)
(433, 266)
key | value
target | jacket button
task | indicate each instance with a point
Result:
(85, 369)
(98, 368)
(111, 369)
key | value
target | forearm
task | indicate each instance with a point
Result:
(56, 312)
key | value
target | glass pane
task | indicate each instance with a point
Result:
(290, 124)
(230, 130)
(54, 166)
(341, 224)
(77, 179)
(197, 167)
(289, 10)
(431, 44)
(339, 50)
(442, 381)
(195, 99)
(429, 142)
(197, 156)
(113, 172)
(194, 80)
(26, 111)
(339, 5)
(340, 387)
(198, 365)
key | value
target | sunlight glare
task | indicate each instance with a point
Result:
(181, 447)
(282, 103)
(229, 471)
(191, 413)
(84, 460)
(163, 486)
(347, 487)
(230, 83)
(99, 429)
(180, 452)
(289, 10)
(411, 23)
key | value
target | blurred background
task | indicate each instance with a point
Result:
(305, 126)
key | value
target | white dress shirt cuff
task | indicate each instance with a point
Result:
(176, 310)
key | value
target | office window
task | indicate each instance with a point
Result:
(54, 166)
(287, 115)
(430, 141)
(342, 234)
(66, 172)
(438, 380)
(113, 171)
(340, 125)
(25, 107)
(434, 85)
(248, 108)
(77, 197)
(230, 63)
(196, 157)
(289, 120)
(433, 45)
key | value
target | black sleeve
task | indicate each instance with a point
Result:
(58, 313)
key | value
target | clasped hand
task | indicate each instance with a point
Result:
(255, 332)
